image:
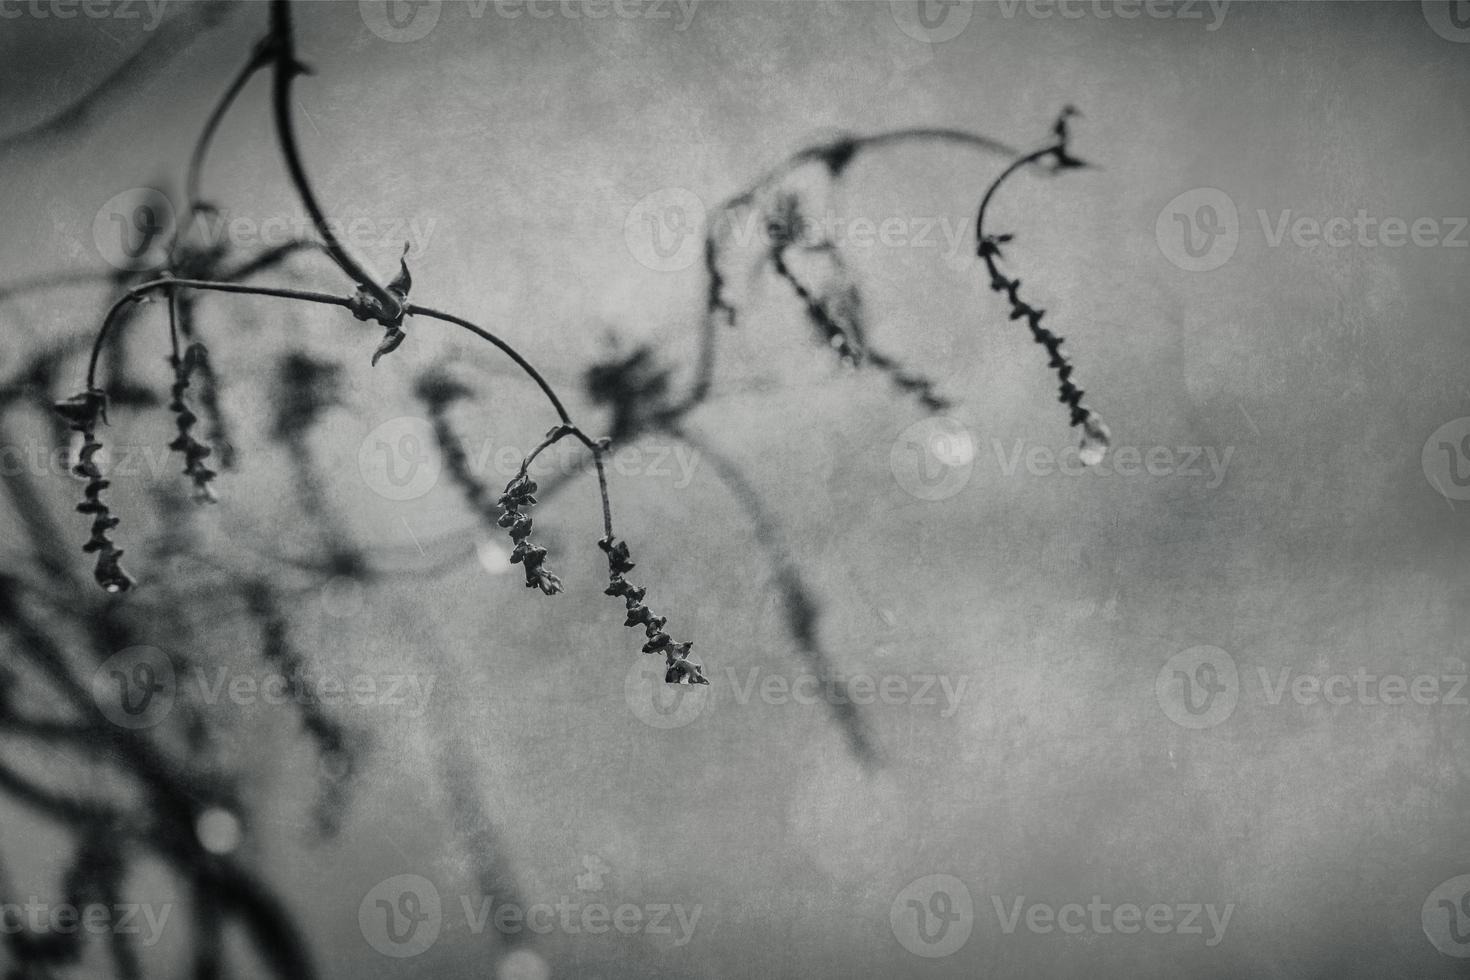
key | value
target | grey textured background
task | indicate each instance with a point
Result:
(1056, 599)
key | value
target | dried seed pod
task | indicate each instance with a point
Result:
(679, 669)
(82, 412)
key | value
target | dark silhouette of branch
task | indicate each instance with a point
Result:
(170, 38)
(280, 48)
(803, 612)
(836, 155)
(259, 59)
(168, 770)
(1095, 435)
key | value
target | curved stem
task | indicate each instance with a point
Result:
(836, 154)
(282, 49)
(1026, 160)
(1095, 433)
(136, 293)
(557, 435)
(413, 309)
(258, 60)
(839, 152)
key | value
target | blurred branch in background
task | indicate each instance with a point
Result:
(174, 35)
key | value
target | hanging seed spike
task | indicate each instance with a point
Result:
(110, 574)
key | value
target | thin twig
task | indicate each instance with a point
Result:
(281, 49)
(136, 293)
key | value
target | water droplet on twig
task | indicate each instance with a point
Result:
(1095, 441)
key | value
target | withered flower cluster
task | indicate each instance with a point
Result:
(515, 502)
(82, 413)
(679, 668)
(194, 451)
